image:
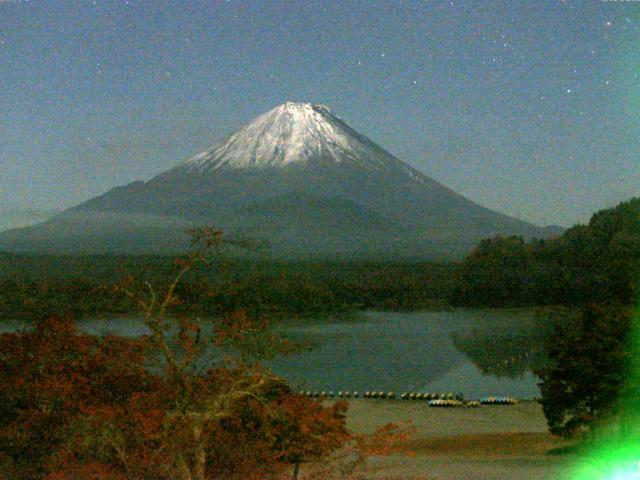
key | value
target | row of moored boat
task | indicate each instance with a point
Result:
(434, 399)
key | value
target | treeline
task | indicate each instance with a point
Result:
(594, 263)
(36, 286)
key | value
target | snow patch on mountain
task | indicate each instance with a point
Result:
(296, 134)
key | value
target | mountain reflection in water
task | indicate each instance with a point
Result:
(476, 352)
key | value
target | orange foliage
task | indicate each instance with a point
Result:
(74, 405)
(79, 406)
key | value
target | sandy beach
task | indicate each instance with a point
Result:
(489, 442)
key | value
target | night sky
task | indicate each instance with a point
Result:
(531, 108)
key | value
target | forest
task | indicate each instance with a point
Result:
(37, 285)
(597, 262)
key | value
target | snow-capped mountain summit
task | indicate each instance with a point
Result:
(295, 133)
(297, 176)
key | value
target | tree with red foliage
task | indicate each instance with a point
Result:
(304, 431)
(75, 406)
(52, 376)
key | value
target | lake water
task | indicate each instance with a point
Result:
(421, 352)
(474, 352)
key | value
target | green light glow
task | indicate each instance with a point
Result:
(616, 456)
(610, 461)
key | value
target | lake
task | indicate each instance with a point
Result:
(474, 352)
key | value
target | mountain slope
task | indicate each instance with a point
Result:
(301, 178)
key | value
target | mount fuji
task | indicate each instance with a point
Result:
(298, 177)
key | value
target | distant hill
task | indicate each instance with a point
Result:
(15, 218)
(297, 177)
